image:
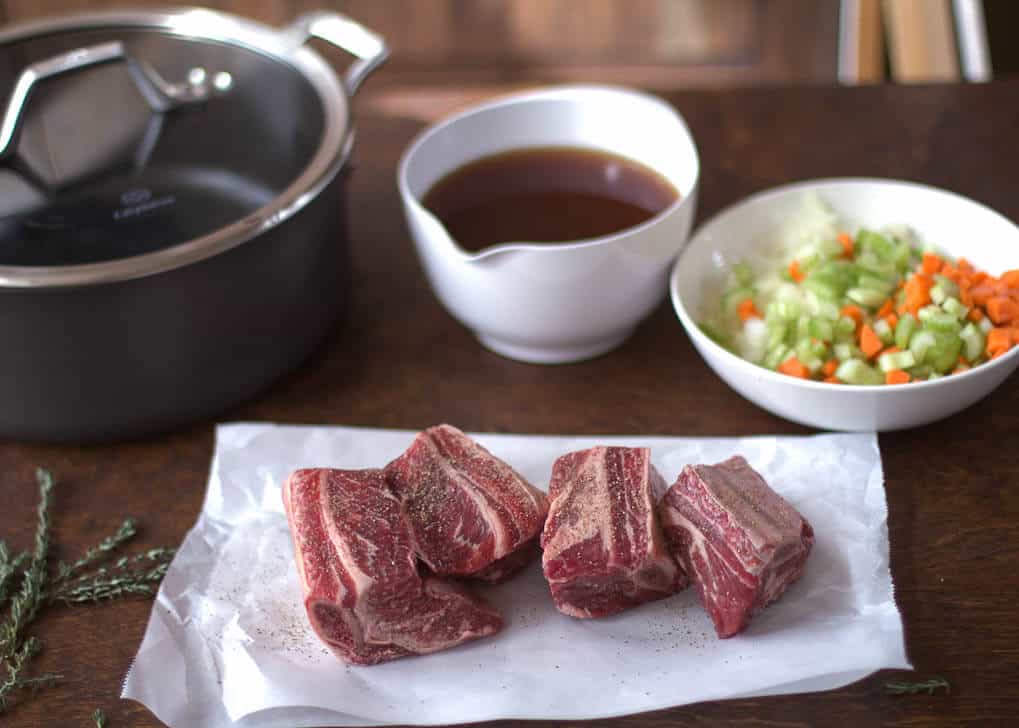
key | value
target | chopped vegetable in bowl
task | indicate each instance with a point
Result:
(872, 308)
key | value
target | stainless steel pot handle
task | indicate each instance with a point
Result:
(160, 95)
(369, 48)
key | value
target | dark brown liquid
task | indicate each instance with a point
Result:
(546, 195)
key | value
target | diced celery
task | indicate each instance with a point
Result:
(810, 349)
(883, 331)
(856, 371)
(954, 307)
(787, 309)
(904, 329)
(821, 328)
(744, 274)
(872, 264)
(875, 283)
(867, 296)
(950, 287)
(846, 351)
(920, 371)
(938, 294)
(944, 355)
(973, 341)
(880, 245)
(985, 325)
(933, 318)
(777, 330)
(901, 254)
(920, 343)
(827, 310)
(896, 360)
(823, 288)
(933, 376)
(802, 327)
(776, 356)
(845, 328)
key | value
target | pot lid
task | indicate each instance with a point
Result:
(133, 143)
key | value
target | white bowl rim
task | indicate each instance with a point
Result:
(756, 370)
(542, 93)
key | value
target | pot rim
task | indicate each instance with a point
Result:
(210, 26)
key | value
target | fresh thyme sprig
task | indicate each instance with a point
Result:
(25, 603)
(9, 569)
(100, 718)
(26, 587)
(16, 666)
(108, 545)
(912, 688)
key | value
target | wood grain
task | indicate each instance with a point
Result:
(657, 43)
(400, 361)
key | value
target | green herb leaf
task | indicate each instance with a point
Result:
(100, 718)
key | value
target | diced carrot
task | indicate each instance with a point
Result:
(794, 271)
(1010, 278)
(870, 344)
(833, 380)
(892, 319)
(999, 341)
(886, 308)
(1002, 310)
(829, 367)
(979, 277)
(951, 272)
(896, 376)
(965, 297)
(964, 265)
(918, 293)
(931, 263)
(794, 368)
(747, 310)
(853, 312)
(981, 293)
(975, 315)
(847, 244)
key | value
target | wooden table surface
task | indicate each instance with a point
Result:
(400, 361)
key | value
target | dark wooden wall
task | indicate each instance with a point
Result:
(657, 43)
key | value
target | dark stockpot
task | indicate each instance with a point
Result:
(171, 214)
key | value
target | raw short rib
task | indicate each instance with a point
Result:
(356, 561)
(603, 548)
(741, 543)
(470, 513)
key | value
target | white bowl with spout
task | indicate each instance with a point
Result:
(554, 302)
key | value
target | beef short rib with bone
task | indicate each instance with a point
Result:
(603, 548)
(364, 596)
(470, 513)
(741, 543)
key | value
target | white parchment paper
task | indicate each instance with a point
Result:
(228, 643)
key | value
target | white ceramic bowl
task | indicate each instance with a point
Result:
(549, 303)
(957, 225)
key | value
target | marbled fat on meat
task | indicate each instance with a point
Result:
(741, 543)
(356, 561)
(604, 550)
(470, 513)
